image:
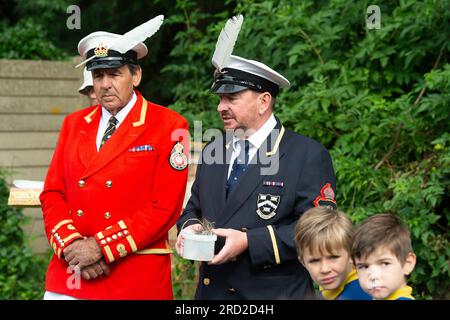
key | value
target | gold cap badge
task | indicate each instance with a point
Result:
(101, 50)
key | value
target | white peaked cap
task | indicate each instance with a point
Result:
(259, 69)
(241, 74)
(97, 38)
(87, 80)
(110, 50)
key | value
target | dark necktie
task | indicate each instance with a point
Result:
(239, 166)
(109, 131)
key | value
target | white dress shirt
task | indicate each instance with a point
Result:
(120, 116)
(256, 140)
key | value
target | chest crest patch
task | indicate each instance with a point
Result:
(266, 205)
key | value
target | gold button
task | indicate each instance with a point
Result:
(244, 229)
(80, 213)
(109, 184)
(206, 281)
(81, 183)
(107, 215)
(232, 289)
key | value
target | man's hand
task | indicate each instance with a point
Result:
(179, 245)
(95, 270)
(83, 252)
(235, 243)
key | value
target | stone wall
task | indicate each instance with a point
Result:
(35, 96)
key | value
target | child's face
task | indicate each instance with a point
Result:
(328, 270)
(381, 273)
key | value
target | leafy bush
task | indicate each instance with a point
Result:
(377, 99)
(27, 40)
(21, 273)
(184, 278)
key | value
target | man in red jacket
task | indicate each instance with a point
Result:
(115, 186)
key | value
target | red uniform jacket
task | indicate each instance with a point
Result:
(127, 195)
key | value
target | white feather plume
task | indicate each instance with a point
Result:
(138, 34)
(130, 39)
(226, 41)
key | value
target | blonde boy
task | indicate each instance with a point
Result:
(384, 257)
(323, 240)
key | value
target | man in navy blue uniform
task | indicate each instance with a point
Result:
(253, 183)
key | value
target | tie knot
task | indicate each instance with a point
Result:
(245, 145)
(113, 120)
(243, 153)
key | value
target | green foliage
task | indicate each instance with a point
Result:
(21, 272)
(189, 61)
(27, 40)
(183, 278)
(377, 99)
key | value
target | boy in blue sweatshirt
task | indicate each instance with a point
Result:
(384, 257)
(323, 239)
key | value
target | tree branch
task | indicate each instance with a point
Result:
(316, 51)
(391, 148)
(436, 63)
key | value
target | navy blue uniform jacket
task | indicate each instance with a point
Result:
(266, 204)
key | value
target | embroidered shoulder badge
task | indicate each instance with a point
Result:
(178, 159)
(326, 197)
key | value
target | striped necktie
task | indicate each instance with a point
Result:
(110, 130)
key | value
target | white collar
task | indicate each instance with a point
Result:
(257, 138)
(122, 114)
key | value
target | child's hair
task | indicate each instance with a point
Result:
(382, 230)
(323, 229)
